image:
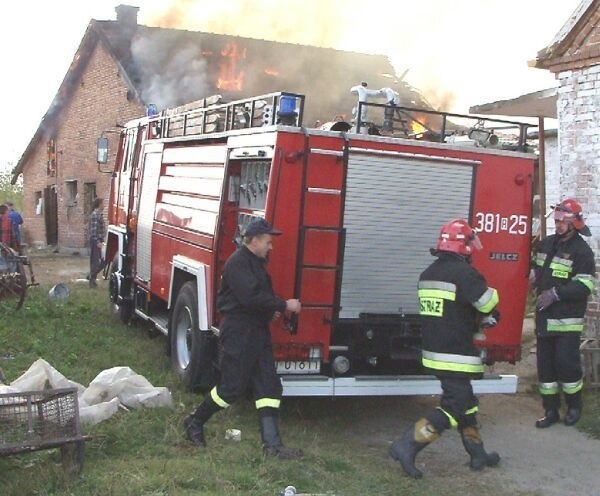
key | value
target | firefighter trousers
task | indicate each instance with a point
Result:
(458, 405)
(246, 361)
(559, 367)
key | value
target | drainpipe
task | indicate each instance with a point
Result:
(542, 175)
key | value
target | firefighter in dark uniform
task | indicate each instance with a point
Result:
(247, 303)
(455, 303)
(564, 278)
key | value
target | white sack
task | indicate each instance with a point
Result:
(102, 398)
(41, 375)
(94, 414)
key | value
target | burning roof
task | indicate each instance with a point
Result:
(170, 67)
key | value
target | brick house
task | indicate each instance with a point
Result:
(120, 67)
(574, 57)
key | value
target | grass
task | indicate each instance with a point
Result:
(142, 452)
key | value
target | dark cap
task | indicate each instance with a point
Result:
(259, 226)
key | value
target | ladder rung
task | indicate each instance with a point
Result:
(321, 267)
(324, 228)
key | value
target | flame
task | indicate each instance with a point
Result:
(417, 128)
(271, 72)
(230, 78)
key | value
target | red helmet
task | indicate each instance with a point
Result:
(570, 210)
(459, 237)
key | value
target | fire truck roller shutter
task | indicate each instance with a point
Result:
(394, 206)
(193, 352)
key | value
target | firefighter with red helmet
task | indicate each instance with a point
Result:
(564, 279)
(455, 301)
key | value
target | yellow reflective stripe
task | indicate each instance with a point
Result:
(575, 324)
(586, 280)
(453, 422)
(540, 259)
(267, 402)
(563, 261)
(572, 387)
(566, 328)
(548, 388)
(452, 367)
(471, 411)
(437, 293)
(487, 301)
(562, 267)
(217, 399)
(446, 286)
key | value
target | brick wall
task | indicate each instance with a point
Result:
(552, 164)
(579, 154)
(98, 101)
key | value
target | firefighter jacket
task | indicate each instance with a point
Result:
(452, 297)
(246, 289)
(569, 267)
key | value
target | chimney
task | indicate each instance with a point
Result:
(127, 15)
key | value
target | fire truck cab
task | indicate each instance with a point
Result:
(359, 207)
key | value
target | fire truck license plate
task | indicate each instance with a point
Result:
(297, 367)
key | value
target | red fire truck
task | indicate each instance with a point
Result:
(360, 207)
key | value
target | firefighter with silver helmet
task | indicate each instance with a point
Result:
(455, 302)
(564, 274)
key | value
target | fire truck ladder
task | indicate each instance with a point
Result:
(305, 229)
(209, 115)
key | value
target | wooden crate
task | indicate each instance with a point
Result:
(591, 363)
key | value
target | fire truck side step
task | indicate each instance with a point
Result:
(161, 322)
(310, 385)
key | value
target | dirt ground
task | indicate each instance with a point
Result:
(53, 268)
(552, 462)
(557, 461)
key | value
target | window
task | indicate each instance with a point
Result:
(71, 192)
(38, 203)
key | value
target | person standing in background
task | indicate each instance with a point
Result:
(97, 232)
(564, 278)
(17, 221)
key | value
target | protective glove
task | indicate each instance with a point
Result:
(490, 320)
(532, 278)
(546, 298)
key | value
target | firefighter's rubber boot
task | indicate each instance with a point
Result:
(473, 444)
(272, 445)
(574, 408)
(405, 449)
(573, 415)
(550, 418)
(194, 422)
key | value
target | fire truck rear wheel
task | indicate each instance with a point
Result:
(193, 352)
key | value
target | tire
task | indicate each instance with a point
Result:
(193, 352)
(124, 310)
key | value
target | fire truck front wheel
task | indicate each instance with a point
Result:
(193, 352)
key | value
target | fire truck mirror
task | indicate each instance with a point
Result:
(102, 150)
